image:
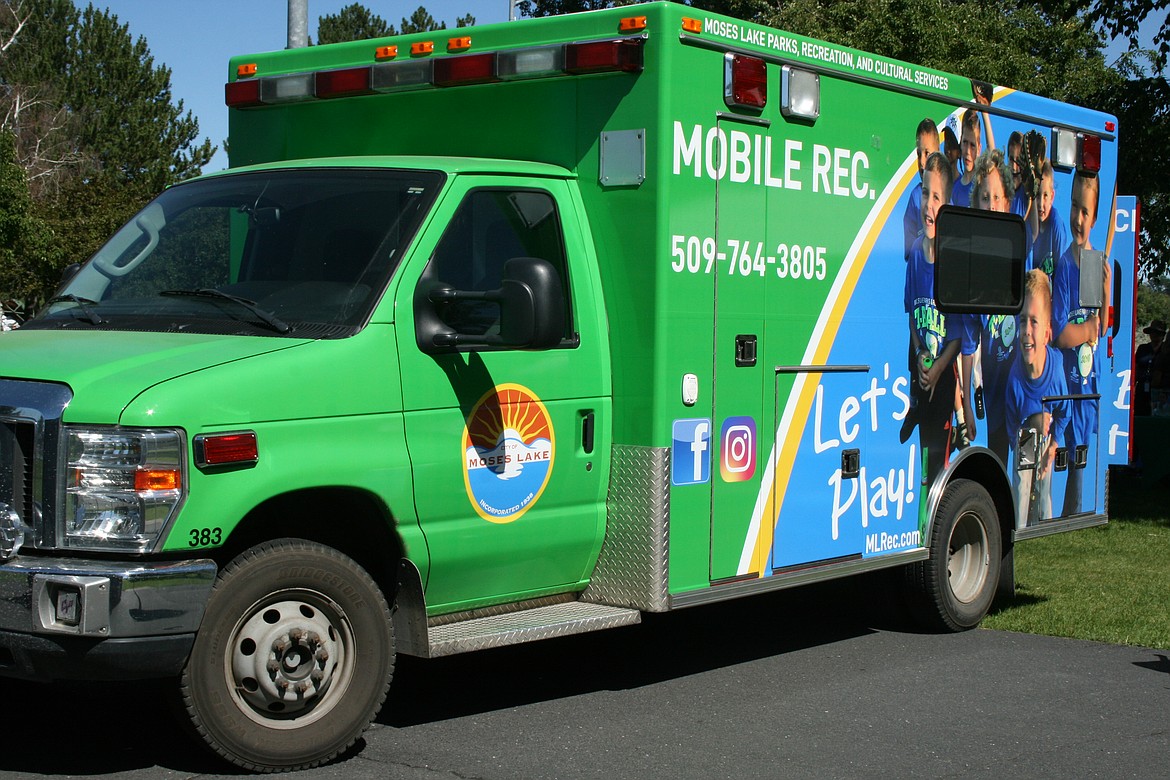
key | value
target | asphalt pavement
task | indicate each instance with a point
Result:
(817, 682)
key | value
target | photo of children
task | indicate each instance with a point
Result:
(1037, 374)
(1078, 330)
(934, 345)
(990, 338)
(979, 379)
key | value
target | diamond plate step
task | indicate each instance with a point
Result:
(527, 625)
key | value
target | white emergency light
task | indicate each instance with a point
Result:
(800, 94)
(1064, 148)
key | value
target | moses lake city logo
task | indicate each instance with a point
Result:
(508, 449)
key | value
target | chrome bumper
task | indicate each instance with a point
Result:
(103, 599)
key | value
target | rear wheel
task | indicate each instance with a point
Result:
(957, 583)
(293, 658)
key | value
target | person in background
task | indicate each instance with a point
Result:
(1144, 359)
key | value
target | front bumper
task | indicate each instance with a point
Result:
(84, 619)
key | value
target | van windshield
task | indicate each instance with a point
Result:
(298, 253)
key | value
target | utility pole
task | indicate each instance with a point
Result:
(298, 24)
(511, 10)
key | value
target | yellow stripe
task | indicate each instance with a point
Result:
(792, 439)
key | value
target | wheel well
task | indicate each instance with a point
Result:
(984, 470)
(350, 521)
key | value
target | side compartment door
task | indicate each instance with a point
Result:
(508, 446)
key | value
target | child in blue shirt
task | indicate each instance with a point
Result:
(992, 336)
(925, 144)
(932, 386)
(1078, 330)
(1037, 374)
(1051, 236)
(971, 147)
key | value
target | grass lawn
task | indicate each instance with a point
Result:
(1108, 584)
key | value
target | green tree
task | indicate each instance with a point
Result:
(95, 130)
(1152, 304)
(352, 23)
(421, 21)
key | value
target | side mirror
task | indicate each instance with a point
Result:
(531, 309)
(532, 304)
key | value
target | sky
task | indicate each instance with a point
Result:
(195, 39)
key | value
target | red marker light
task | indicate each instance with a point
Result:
(226, 448)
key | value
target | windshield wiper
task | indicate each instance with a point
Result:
(83, 304)
(267, 317)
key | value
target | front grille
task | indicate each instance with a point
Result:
(30, 442)
(17, 467)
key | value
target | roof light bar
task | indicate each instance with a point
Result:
(586, 57)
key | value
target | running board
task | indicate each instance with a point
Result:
(528, 625)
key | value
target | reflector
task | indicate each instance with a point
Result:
(225, 448)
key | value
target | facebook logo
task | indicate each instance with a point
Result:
(690, 452)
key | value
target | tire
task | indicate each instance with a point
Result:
(956, 585)
(293, 659)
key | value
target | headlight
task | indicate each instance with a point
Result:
(123, 486)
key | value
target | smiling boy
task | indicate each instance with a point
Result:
(1036, 375)
(1079, 329)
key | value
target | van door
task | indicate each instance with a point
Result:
(743, 264)
(506, 445)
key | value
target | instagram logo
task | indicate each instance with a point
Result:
(738, 447)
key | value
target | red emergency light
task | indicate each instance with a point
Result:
(467, 69)
(1090, 154)
(745, 81)
(242, 94)
(343, 83)
(623, 55)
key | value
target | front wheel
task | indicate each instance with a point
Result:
(293, 659)
(957, 583)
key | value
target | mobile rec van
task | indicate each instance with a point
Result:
(516, 331)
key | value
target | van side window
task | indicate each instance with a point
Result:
(981, 258)
(489, 228)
